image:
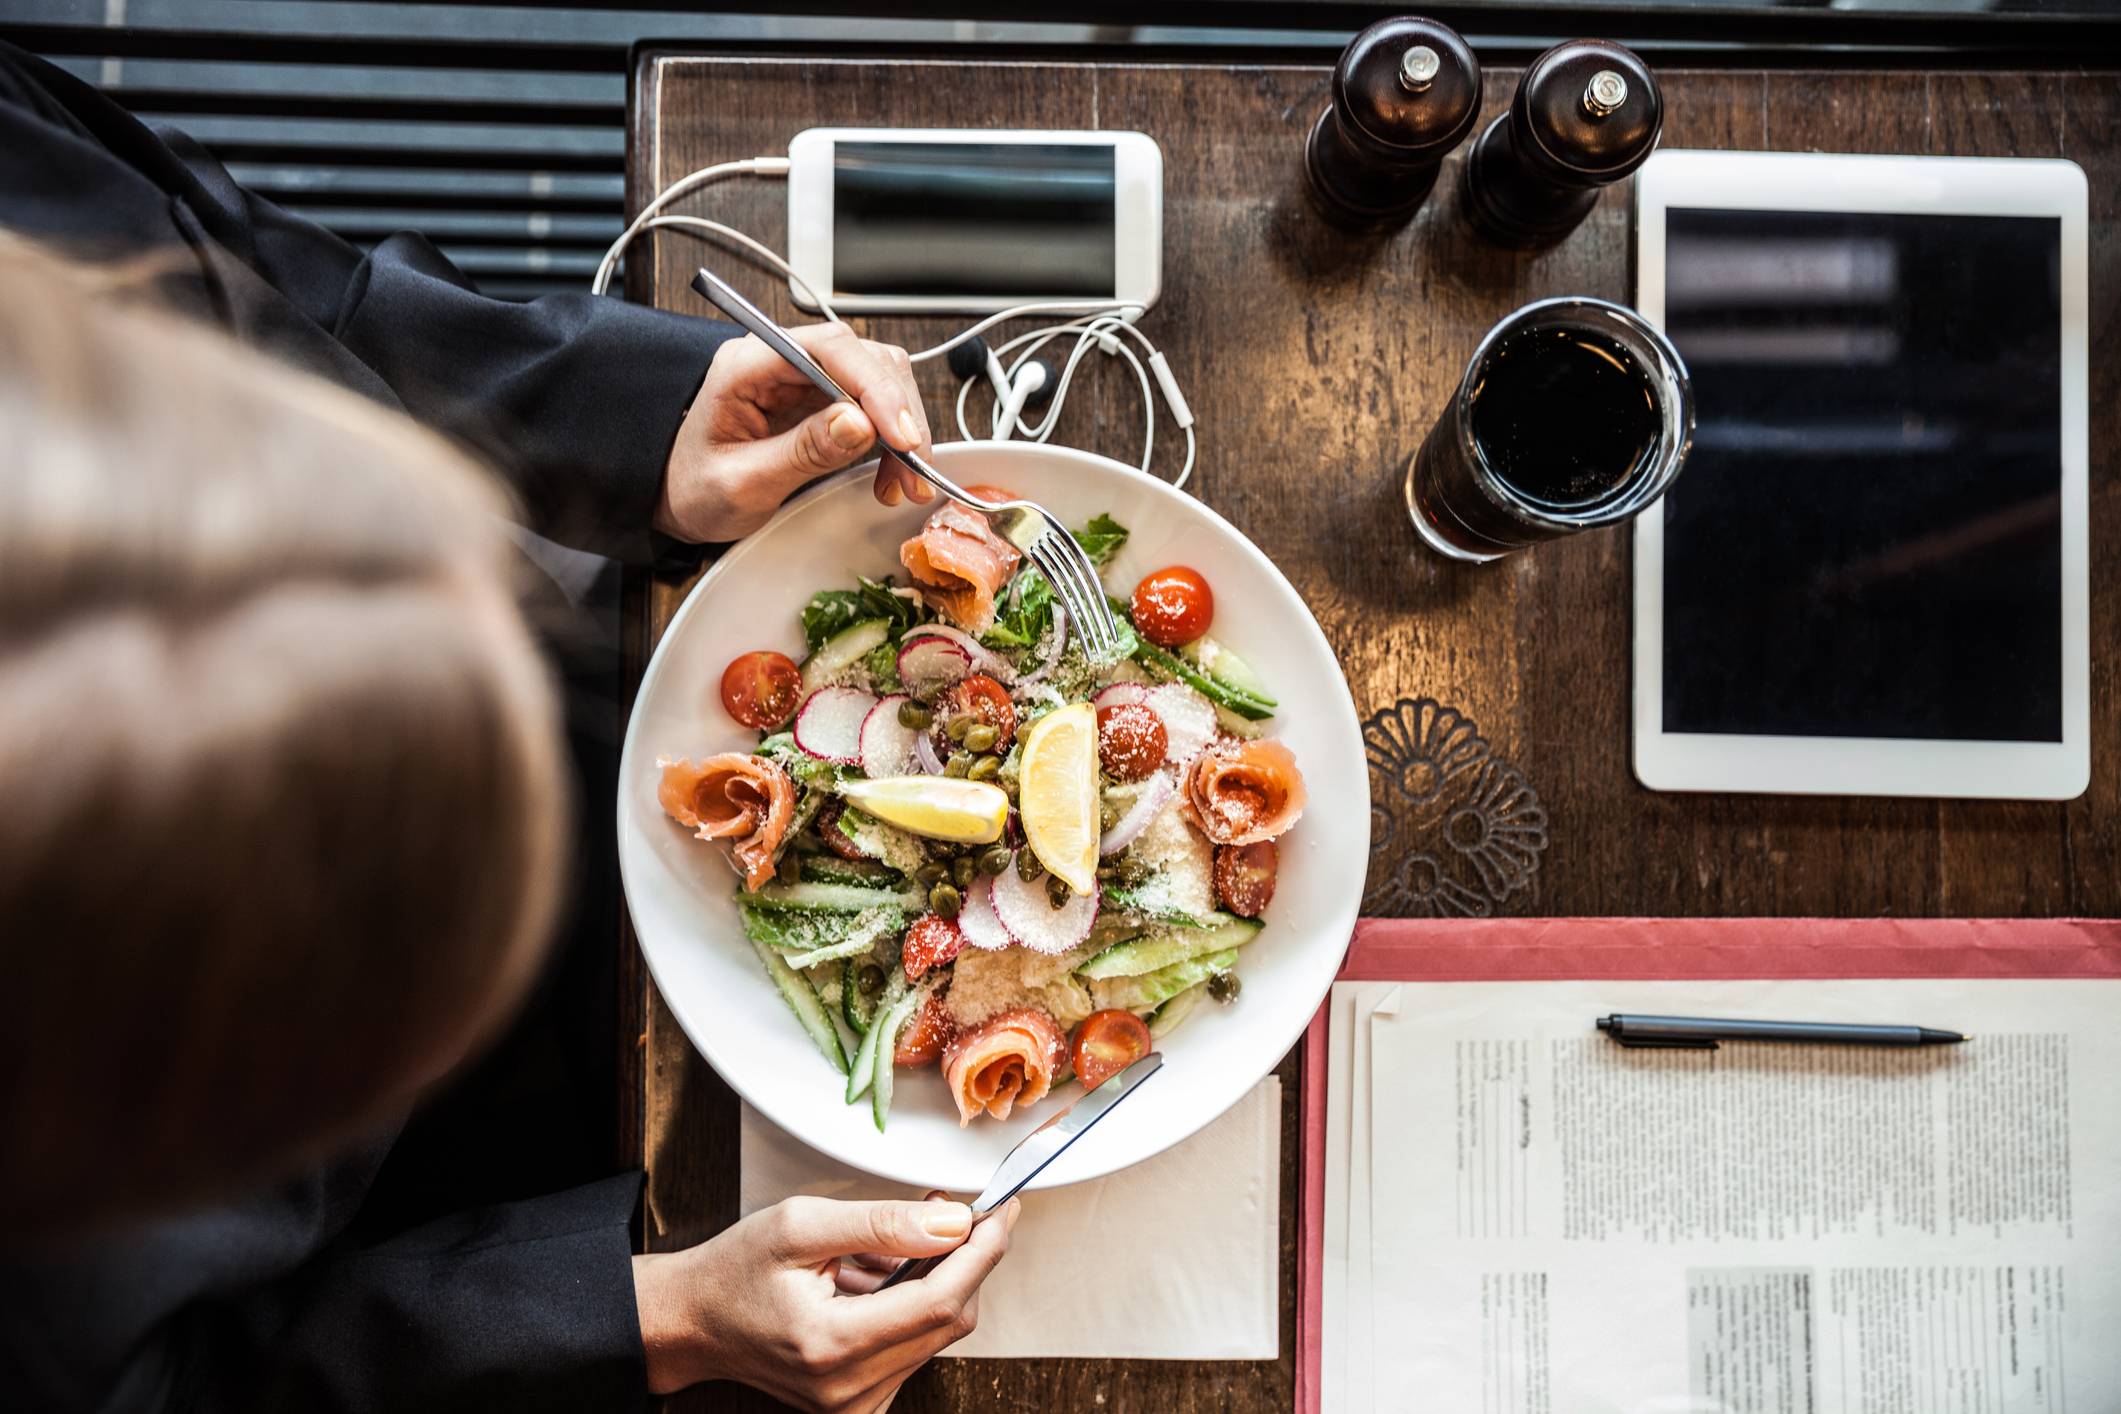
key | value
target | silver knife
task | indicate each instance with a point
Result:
(1039, 1148)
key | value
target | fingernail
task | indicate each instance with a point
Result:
(908, 428)
(1016, 1208)
(946, 1219)
(849, 428)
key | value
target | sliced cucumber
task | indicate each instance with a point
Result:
(890, 1023)
(1166, 664)
(863, 1072)
(867, 929)
(1219, 663)
(862, 873)
(842, 651)
(836, 898)
(894, 848)
(1160, 950)
(1168, 1016)
(802, 1000)
(1152, 989)
(1127, 901)
(858, 1009)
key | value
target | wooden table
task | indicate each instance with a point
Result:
(1325, 357)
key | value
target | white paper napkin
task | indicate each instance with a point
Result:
(1179, 1253)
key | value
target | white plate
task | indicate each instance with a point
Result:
(680, 889)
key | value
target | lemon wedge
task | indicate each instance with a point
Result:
(1057, 794)
(935, 807)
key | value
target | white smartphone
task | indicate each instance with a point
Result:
(973, 220)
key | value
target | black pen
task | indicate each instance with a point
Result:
(1696, 1033)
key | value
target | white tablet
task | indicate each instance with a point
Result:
(1872, 576)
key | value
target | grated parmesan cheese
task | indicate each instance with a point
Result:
(887, 844)
(1181, 864)
(984, 984)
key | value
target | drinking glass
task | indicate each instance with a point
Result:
(1573, 413)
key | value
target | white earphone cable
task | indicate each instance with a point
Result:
(1095, 323)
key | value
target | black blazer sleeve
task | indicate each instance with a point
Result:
(270, 1307)
(574, 398)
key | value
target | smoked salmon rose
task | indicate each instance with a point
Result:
(742, 802)
(1005, 1061)
(1240, 792)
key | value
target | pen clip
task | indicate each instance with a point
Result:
(1660, 1043)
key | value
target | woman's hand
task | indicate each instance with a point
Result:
(758, 431)
(786, 1300)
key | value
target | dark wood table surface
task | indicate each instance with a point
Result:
(1315, 361)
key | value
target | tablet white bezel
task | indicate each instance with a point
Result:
(1137, 234)
(1810, 765)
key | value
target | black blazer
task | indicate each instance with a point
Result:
(574, 398)
(299, 1299)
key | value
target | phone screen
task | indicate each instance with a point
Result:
(964, 218)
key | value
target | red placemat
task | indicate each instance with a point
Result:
(1652, 949)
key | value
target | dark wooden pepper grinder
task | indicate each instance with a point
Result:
(1585, 114)
(1405, 92)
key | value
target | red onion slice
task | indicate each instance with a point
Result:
(924, 754)
(1119, 693)
(1156, 794)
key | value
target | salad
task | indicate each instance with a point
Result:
(964, 845)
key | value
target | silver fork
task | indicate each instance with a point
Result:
(1030, 527)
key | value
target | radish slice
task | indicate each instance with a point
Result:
(1119, 693)
(1029, 915)
(983, 659)
(924, 754)
(886, 742)
(977, 921)
(1189, 720)
(1156, 793)
(829, 726)
(929, 665)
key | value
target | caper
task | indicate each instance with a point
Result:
(958, 765)
(1057, 891)
(984, 768)
(944, 849)
(1108, 813)
(981, 737)
(957, 728)
(945, 900)
(1224, 986)
(1108, 873)
(912, 715)
(963, 870)
(1027, 866)
(932, 873)
(791, 867)
(994, 859)
(870, 979)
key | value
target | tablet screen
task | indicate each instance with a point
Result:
(1867, 537)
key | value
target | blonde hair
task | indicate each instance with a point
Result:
(282, 805)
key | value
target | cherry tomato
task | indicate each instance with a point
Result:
(932, 941)
(984, 700)
(830, 833)
(922, 1042)
(1106, 1043)
(1131, 741)
(1244, 876)
(762, 690)
(1173, 606)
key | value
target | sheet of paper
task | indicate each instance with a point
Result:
(1346, 1366)
(1564, 1224)
(1197, 1230)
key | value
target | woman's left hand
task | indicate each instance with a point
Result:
(757, 432)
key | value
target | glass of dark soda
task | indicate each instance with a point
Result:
(1573, 413)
